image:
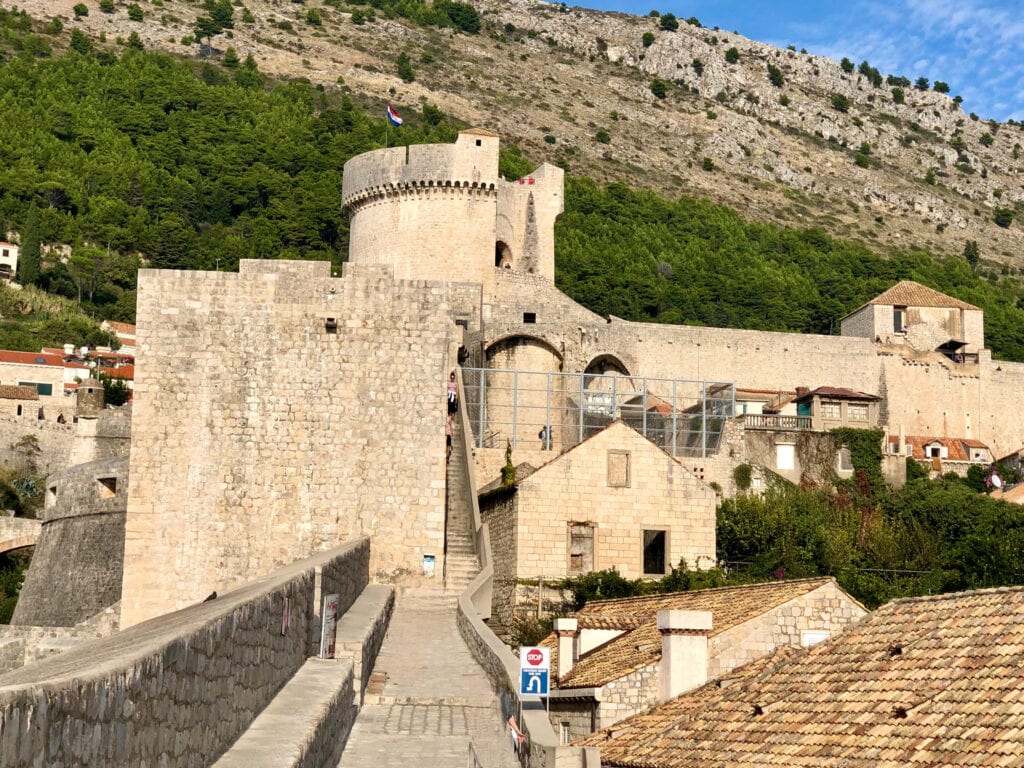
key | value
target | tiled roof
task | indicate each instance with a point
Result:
(30, 358)
(479, 132)
(12, 392)
(121, 372)
(837, 393)
(927, 682)
(126, 329)
(957, 448)
(1014, 494)
(910, 294)
(640, 644)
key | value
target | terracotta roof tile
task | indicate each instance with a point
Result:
(957, 448)
(910, 294)
(12, 392)
(926, 682)
(839, 393)
(30, 358)
(640, 643)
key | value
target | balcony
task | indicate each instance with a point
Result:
(774, 421)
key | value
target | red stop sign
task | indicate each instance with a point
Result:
(534, 656)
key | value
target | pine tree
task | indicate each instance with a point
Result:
(28, 262)
(971, 253)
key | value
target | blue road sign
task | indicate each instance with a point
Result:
(533, 682)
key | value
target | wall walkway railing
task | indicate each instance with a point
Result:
(554, 411)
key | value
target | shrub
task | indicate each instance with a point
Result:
(231, 60)
(986, 139)
(775, 76)
(135, 12)
(921, 83)
(659, 88)
(840, 103)
(698, 66)
(784, 100)
(929, 177)
(707, 164)
(732, 55)
(405, 70)
(135, 42)
(247, 16)
(107, 6)
(940, 86)
(314, 17)
(603, 137)
(846, 65)
(549, 138)
(358, 18)
(898, 96)
(81, 9)
(862, 160)
(80, 42)
(742, 474)
(693, 21)
(1003, 217)
(55, 27)
(648, 39)
(669, 22)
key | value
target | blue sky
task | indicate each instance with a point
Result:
(977, 46)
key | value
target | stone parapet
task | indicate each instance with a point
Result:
(176, 690)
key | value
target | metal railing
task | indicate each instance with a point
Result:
(774, 421)
(554, 411)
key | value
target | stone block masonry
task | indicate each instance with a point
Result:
(177, 690)
(279, 411)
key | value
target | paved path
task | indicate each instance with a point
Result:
(436, 700)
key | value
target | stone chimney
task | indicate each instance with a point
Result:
(566, 630)
(801, 391)
(684, 651)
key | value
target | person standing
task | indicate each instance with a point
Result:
(453, 395)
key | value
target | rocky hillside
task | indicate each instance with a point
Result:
(777, 134)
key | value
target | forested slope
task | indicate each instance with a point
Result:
(112, 157)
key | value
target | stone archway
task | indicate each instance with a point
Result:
(502, 255)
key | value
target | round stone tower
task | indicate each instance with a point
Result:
(89, 399)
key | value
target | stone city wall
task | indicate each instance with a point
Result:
(179, 689)
(52, 439)
(304, 410)
(76, 569)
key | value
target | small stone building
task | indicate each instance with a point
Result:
(615, 500)
(616, 658)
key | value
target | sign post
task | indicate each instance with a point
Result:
(534, 671)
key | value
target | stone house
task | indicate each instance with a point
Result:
(615, 500)
(940, 455)
(835, 407)
(615, 658)
(19, 401)
(8, 261)
(913, 314)
(927, 681)
(48, 374)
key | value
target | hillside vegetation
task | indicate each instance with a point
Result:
(112, 158)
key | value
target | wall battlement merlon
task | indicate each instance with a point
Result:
(414, 188)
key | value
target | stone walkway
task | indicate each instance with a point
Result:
(436, 700)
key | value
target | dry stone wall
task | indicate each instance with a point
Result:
(177, 690)
(279, 411)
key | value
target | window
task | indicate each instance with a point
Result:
(857, 411)
(51, 496)
(566, 733)
(654, 552)
(845, 459)
(831, 410)
(899, 319)
(581, 548)
(618, 469)
(785, 457)
(106, 487)
(809, 637)
(910, 450)
(42, 389)
(529, 317)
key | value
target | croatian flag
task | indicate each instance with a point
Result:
(393, 117)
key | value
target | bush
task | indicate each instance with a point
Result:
(314, 17)
(742, 475)
(135, 12)
(940, 86)
(405, 70)
(840, 103)
(921, 83)
(775, 76)
(898, 96)
(698, 66)
(669, 22)
(707, 164)
(107, 6)
(784, 100)
(1003, 217)
(847, 65)
(231, 60)
(603, 137)
(81, 9)
(732, 55)
(358, 18)
(55, 27)
(659, 88)
(648, 39)
(80, 42)
(986, 139)
(549, 139)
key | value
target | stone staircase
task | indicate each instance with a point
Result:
(462, 561)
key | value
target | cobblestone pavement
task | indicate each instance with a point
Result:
(435, 702)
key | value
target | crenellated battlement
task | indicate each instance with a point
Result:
(414, 189)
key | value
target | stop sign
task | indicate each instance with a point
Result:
(534, 656)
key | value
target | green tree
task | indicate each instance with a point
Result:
(135, 42)
(987, 139)
(248, 75)
(732, 55)
(314, 17)
(669, 22)
(929, 177)
(1003, 217)
(80, 42)
(648, 39)
(107, 6)
(898, 95)
(698, 66)
(29, 260)
(775, 76)
(921, 84)
(972, 254)
(81, 9)
(659, 88)
(405, 70)
(135, 12)
(603, 137)
(940, 86)
(230, 59)
(115, 391)
(846, 65)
